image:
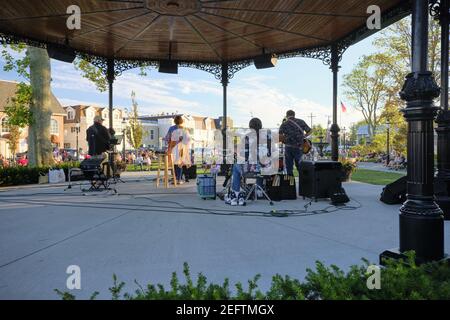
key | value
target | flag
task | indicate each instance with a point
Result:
(343, 107)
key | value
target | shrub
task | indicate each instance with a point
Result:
(12, 176)
(400, 280)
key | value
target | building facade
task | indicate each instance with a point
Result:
(7, 92)
(80, 117)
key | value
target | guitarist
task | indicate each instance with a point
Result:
(292, 133)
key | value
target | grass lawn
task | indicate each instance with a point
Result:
(375, 177)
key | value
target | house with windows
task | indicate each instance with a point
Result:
(7, 92)
(80, 117)
(201, 129)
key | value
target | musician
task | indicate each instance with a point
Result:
(236, 196)
(292, 133)
(99, 141)
(98, 138)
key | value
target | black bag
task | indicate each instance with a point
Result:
(395, 192)
(288, 188)
(191, 172)
(281, 187)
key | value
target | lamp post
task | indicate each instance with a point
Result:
(77, 130)
(388, 151)
(124, 131)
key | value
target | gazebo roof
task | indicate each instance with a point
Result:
(208, 31)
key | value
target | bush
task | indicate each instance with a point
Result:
(400, 280)
(12, 176)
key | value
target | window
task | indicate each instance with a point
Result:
(116, 116)
(54, 128)
(70, 115)
(5, 126)
(152, 134)
(66, 145)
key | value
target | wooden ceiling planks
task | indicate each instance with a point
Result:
(212, 31)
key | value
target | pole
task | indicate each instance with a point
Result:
(421, 220)
(78, 149)
(225, 81)
(334, 127)
(388, 149)
(442, 185)
(110, 77)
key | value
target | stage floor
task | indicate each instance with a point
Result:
(145, 234)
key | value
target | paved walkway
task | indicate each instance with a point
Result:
(146, 233)
(378, 167)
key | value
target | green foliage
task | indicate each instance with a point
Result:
(135, 130)
(12, 176)
(19, 65)
(348, 165)
(92, 73)
(18, 108)
(400, 280)
(318, 131)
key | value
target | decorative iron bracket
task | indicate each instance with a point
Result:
(437, 12)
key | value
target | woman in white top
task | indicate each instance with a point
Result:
(180, 142)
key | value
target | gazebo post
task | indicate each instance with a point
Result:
(110, 77)
(421, 219)
(442, 184)
(334, 129)
(224, 80)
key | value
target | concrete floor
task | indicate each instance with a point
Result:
(45, 229)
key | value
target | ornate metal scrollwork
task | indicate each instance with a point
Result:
(119, 65)
(10, 39)
(216, 69)
(437, 11)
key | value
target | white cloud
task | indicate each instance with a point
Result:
(255, 95)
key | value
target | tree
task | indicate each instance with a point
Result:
(365, 87)
(318, 131)
(135, 130)
(35, 68)
(39, 144)
(18, 115)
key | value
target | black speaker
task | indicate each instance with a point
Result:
(265, 61)
(61, 53)
(168, 66)
(320, 179)
(395, 192)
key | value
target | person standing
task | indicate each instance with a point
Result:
(292, 133)
(179, 142)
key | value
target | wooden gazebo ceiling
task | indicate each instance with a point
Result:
(194, 30)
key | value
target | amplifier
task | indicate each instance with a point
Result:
(320, 179)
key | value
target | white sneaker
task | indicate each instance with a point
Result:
(233, 199)
(241, 199)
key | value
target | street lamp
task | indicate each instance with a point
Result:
(124, 128)
(388, 153)
(77, 130)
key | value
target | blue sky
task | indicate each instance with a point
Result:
(301, 84)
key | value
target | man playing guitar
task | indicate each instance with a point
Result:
(292, 133)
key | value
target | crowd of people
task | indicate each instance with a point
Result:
(396, 161)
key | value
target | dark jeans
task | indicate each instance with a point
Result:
(178, 172)
(292, 155)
